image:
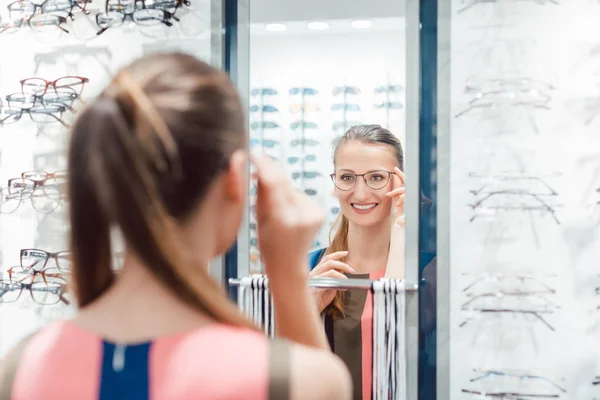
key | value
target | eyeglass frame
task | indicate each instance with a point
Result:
(48, 256)
(390, 173)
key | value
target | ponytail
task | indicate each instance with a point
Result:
(339, 242)
(120, 150)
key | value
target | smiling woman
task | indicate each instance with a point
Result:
(368, 242)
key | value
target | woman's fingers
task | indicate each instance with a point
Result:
(332, 265)
(396, 192)
(332, 274)
(335, 256)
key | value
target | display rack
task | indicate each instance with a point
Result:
(53, 63)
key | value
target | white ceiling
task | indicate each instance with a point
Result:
(265, 11)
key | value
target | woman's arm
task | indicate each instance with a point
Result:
(395, 264)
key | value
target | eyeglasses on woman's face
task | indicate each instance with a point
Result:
(376, 180)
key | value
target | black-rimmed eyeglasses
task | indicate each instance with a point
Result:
(375, 180)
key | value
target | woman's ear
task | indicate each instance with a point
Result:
(235, 181)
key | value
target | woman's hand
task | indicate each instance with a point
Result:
(287, 222)
(330, 267)
(397, 194)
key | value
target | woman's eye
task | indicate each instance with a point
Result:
(376, 177)
(347, 177)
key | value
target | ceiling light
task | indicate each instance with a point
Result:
(275, 27)
(361, 24)
(318, 26)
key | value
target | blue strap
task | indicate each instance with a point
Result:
(315, 257)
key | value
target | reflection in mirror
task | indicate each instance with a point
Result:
(327, 99)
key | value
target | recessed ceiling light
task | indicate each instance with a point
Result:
(318, 26)
(275, 27)
(361, 24)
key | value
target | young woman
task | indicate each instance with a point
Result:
(368, 243)
(160, 157)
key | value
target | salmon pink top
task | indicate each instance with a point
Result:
(65, 362)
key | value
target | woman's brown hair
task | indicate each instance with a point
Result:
(338, 236)
(142, 155)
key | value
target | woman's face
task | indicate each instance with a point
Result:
(364, 205)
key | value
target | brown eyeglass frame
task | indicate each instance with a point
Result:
(53, 83)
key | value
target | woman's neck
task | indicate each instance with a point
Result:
(368, 247)
(138, 308)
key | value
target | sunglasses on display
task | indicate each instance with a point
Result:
(26, 10)
(345, 107)
(375, 180)
(269, 143)
(396, 105)
(304, 91)
(294, 159)
(304, 107)
(264, 125)
(334, 210)
(345, 125)
(389, 89)
(306, 174)
(43, 23)
(310, 192)
(267, 109)
(303, 125)
(345, 90)
(263, 92)
(304, 142)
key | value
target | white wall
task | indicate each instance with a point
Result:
(25, 146)
(554, 43)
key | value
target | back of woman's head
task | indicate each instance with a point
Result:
(141, 158)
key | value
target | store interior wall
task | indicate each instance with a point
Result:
(27, 146)
(525, 198)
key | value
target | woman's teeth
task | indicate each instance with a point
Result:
(363, 207)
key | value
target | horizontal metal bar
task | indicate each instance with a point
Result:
(330, 283)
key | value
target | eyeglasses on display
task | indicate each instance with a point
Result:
(306, 174)
(376, 180)
(264, 125)
(266, 109)
(263, 92)
(26, 10)
(345, 90)
(389, 89)
(42, 23)
(345, 107)
(269, 143)
(308, 157)
(39, 86)
(116, 14)
(306, 107)
(61, 98)
(396, 105)
(37, 259)
(42, 293)
(304, 142)
(345, 125)
(304, 91)
(303, 125)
